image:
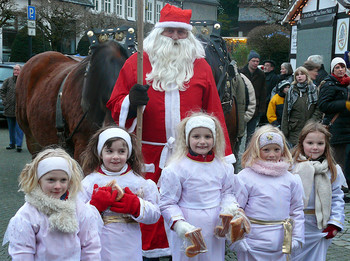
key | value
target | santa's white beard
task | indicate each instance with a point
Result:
(172, 63)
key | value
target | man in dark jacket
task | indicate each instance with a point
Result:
(8, 95)
(257, 78)
(318, 59)
(271, 78)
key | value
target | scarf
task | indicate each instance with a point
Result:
(270, 168)
(316, 173)
(61, 213)
(302, 88)
(345, 80)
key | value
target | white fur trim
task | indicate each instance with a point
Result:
(53, 163)
(156, 252)
(174, 24)
(124, 111)
(113, 133)
(200, 122)
(230, 159)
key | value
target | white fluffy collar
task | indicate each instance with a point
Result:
(270, 168)
(61, 213)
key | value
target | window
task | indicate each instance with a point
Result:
(97, 5)
(149, 11)
(159, 6)
(119, 8)
(130, 9)
(108, 6)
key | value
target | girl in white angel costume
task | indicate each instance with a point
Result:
(197, 186)
(116, 187)
(271, 198)
(52, 224)
(322, 180)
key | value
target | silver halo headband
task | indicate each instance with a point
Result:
(113, 133)
(53, 163)
(197, 122)
(270, 138)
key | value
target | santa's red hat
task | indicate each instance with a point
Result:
(172, 16)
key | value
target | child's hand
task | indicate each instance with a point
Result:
(103, 197)
(331, 231)
(128, 204)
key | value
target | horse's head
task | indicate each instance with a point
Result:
(102, 72)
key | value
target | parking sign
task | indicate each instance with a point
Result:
(31, 12)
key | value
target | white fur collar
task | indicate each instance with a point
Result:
(270, 168)
(61, 213)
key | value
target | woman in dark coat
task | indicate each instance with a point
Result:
(334, 101)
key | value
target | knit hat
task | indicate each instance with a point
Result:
(282, 85)
(253, 54)
(335, 61)
(197, 122)
(113, 133)
(270, 138)
(172, 16)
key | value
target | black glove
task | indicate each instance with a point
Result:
(138, 96)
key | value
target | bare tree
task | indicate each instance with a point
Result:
(274, 9)
(7, 12)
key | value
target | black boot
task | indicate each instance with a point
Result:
(10, 147)
(19, 148)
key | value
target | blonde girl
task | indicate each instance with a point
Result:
(300, 105)
(322, 179)
(115, 186)
(271, 198)
(197, 186)
(53, 224)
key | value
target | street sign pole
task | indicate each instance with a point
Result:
(30, 37)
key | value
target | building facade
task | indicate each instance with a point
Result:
(318, 27)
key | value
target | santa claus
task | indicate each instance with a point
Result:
(177, 81)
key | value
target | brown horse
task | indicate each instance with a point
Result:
(46, 75)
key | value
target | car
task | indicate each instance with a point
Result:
(6, 71)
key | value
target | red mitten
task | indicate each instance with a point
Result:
(103, 197)
(331, 231)
(128, 204)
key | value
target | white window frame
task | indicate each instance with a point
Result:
(108, 6)
(150, 11)
(97, 6)
(120, 8)
(131, 10)
(158, 8)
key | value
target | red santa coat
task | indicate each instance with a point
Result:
(161, 116)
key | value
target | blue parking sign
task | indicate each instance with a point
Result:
(31, 12)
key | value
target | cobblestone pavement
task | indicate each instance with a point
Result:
(11, 163)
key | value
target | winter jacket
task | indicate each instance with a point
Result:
(251, 101)
(257, 78)
(332, 98)
(8, 96)
(271, 79)
(293, 123)
(322, 74)
(275, 109)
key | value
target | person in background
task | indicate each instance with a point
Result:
(275, 108)
(322, 73)
(286, 73)
(312, 69)
(271, 78)
(8, 96)
(257, 78)
(300, 105)
(334, 102)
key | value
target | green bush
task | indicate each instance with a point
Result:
(271, 42)
(239, 52)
